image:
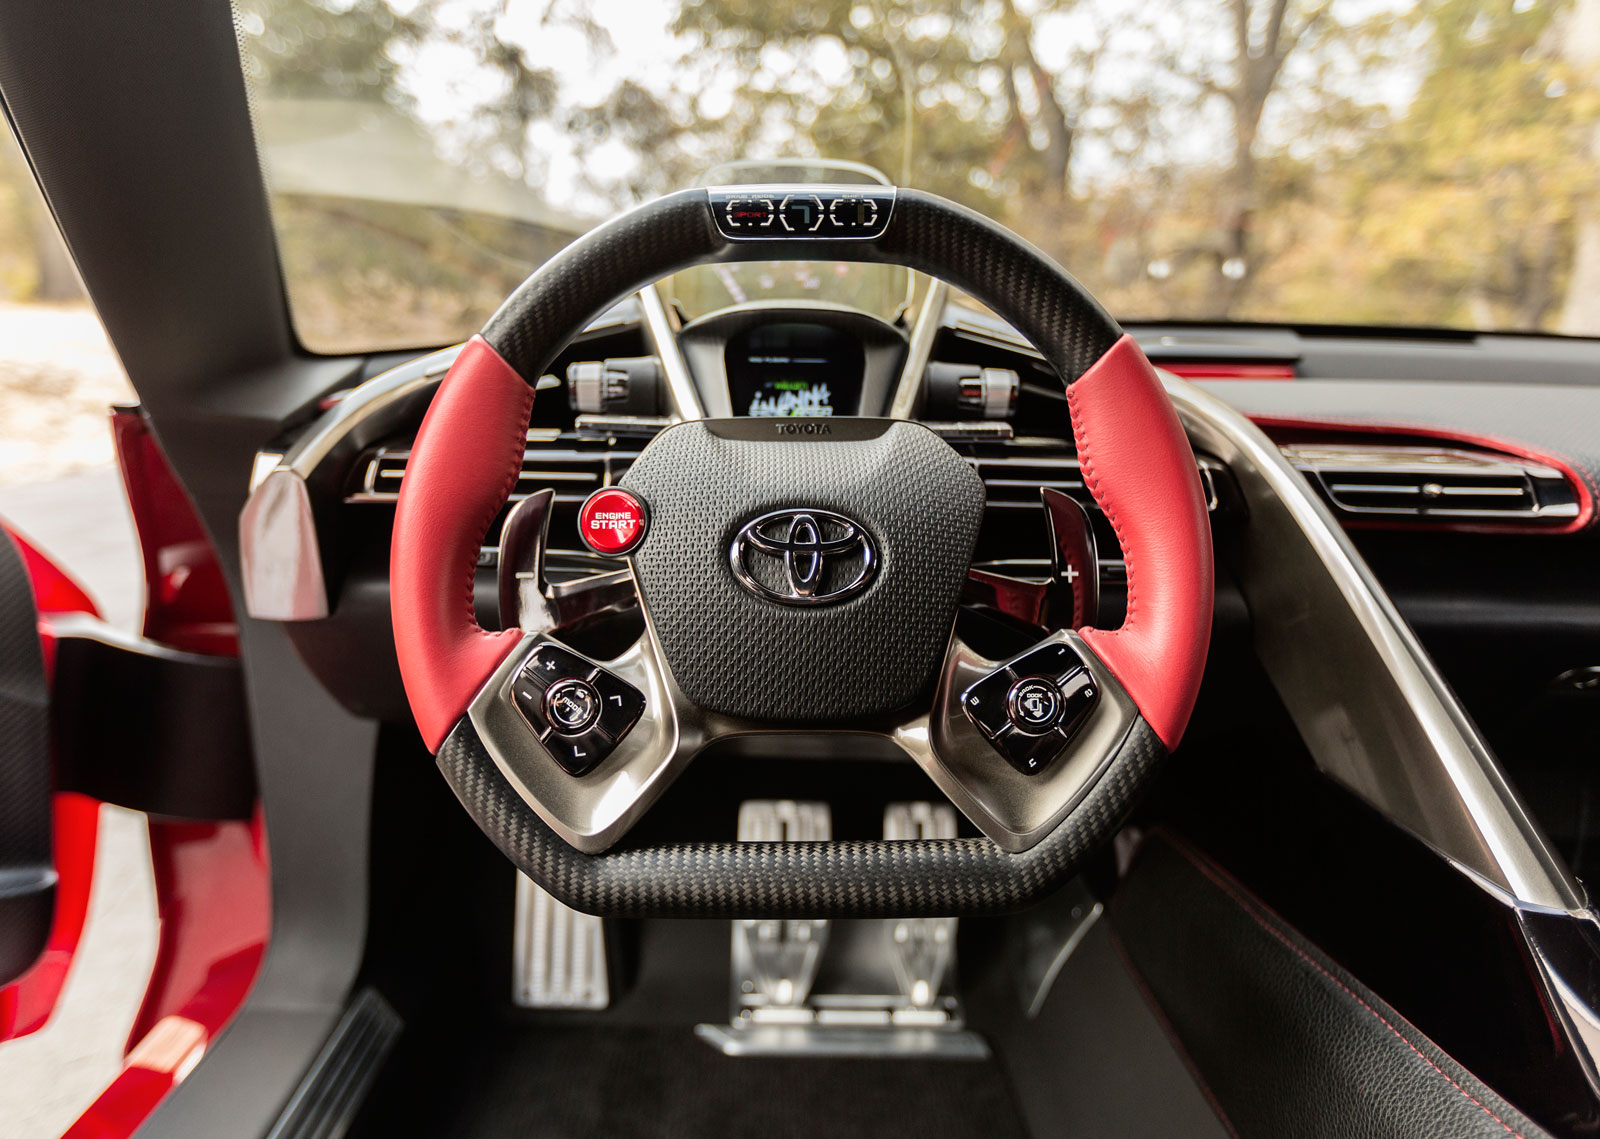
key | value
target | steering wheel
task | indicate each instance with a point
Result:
(799, 576)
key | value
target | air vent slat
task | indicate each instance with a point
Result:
(1012, 481)
(1442, 483)
(552, 460)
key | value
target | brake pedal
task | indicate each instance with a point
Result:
(558, 954)
(920, 948)
(775, 962)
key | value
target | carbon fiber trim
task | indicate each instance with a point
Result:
(927, 878)
(1016, 280)
(925, 232)
(588, 276)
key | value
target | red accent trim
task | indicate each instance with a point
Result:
(54, 590)
(26, 1003)
(213, 887)
(1222, 370)
(186, 602)
(1514, 449)
(1138, 465)
(462, 467)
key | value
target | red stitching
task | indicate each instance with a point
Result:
(1227, 888)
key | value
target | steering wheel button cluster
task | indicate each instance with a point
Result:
(551, 663)
(579, 711)
(1056, 659)
(621, 704)
(578, 754)
(985, 703)
(1034, 705)
(1030, 707)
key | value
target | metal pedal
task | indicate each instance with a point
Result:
(775, 962)
(920, 948)
(885, 988)
(558, 954)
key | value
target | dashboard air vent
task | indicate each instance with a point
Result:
(1012, 474)
(1013, 480)
(1442, 484)
(573, 467)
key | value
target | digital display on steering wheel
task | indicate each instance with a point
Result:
(794, 369)
(827, 213)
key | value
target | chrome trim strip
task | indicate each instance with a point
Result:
(663, 338)
(368, 401)
(1374, 711)
(923, 331)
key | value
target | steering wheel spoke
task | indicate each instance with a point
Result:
(1016, 744)
(588, 744)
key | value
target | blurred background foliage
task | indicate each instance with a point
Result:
(1414, 162)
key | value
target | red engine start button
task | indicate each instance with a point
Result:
(611, 522)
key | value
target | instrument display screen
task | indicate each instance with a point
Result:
(795, 369)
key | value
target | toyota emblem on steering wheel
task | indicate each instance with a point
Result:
(803, 557)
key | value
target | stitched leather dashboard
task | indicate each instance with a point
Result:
(1283, 1039)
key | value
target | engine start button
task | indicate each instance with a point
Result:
(612, 522)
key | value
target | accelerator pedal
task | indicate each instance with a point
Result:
(920, 948)
(844, 988)
(775, 962)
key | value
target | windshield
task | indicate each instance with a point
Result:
(1364, 162)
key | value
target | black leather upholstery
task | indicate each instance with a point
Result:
(1284, 1041)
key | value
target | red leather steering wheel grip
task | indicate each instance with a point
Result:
(1138, 466)
(462, 468)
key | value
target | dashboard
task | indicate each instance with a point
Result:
(1467, 479)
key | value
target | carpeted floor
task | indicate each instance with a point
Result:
(572, 1083)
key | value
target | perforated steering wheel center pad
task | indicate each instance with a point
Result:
(733, 650)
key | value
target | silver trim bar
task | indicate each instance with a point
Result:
(663, 339)
(1372, 708)
(923, 331)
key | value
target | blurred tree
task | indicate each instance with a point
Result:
(1257, 159)
(1466, 207)
(34, 263)
(958, 85)
(1263, 35)
(312, 49)
(1578, 37)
